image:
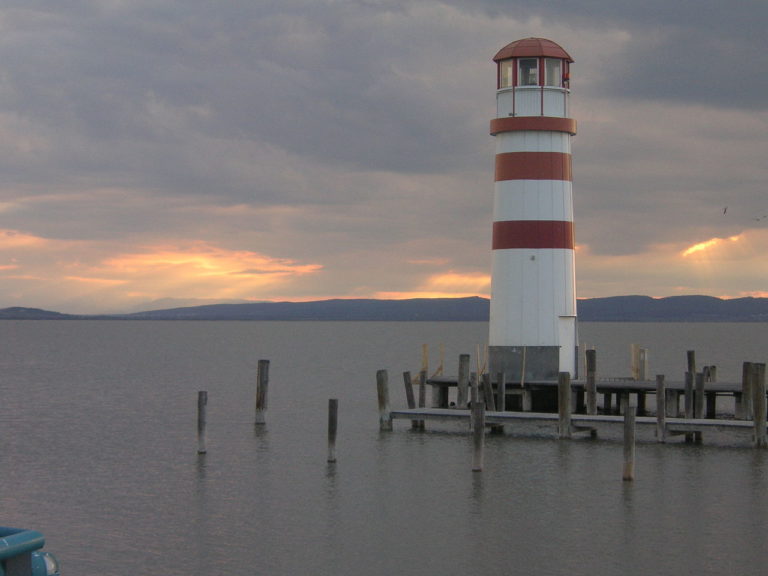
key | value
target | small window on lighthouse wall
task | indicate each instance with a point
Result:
(529, 72)
(553, 75)
(506, 73)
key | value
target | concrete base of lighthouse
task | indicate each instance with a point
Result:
(530, 364)
(525, 363)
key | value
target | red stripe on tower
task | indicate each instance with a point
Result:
(537, 123)
(533, 166)
(532, 234)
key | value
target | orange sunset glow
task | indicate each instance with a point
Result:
(709, 244)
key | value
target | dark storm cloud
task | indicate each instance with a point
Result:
(148, 94)
(696, 51)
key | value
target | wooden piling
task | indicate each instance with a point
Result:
(710, 375)
(422, 388)
(643, 363)
(629, 442)
(463, 382)
(689, 379)
(698, 405)
(490, 401)
(744, 402)
(607, 407)
(501, 384)
(478, 435)
(759, 404)
(409, 397)
(333, 427)
(382, 387)
(690, 385)
(262, 389)
(673, 403)
(564, 404)
(592, 382)
(661, 408)
(501, 391)
(691, 359)
(422, 395)
(698, 411)
(202, 402)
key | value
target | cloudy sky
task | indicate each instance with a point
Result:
(313, 149)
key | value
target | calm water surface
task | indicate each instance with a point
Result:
(98, 452)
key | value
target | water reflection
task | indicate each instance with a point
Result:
(264, 500)
(478, 489)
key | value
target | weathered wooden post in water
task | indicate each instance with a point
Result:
(629, 440)
(202, 401)
(422, 389)
(488, 397)
(592, 382)
(501, 391)
(758, 404)
(698, 405)
(262, 388)
(411, 399)
(661, 408)
(690, 380)
(564, 404)
(463, 382)
(382, 387)
(478, 423)
(333, 426)
(744, 402)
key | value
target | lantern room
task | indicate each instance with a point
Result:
(532, 79)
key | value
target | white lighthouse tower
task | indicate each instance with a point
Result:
(533, 295)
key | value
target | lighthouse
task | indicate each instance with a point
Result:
(533, 332)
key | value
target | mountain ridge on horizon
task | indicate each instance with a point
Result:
(631, 308)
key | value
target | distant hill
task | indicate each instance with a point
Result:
(613, 309)
(19, 313)
(673, 309)
(416, 309)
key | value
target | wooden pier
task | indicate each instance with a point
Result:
(572, 407)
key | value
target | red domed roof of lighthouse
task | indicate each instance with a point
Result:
(532, 48)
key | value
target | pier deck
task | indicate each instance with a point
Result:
(572, 406)
(612, 391)
(579, 422)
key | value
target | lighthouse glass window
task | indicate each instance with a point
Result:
(505, 73)
(528, 75)
(553, 75)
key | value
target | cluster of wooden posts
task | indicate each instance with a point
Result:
(483, 403)
(262, 389)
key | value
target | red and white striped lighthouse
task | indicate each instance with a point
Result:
(533, 295)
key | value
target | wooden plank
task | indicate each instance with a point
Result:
(673, 424)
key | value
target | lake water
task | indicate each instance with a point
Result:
(98, 451)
